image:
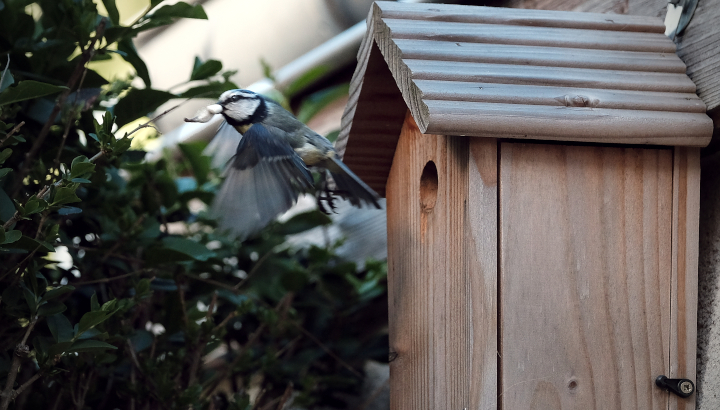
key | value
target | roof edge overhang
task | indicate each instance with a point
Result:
(524, 74)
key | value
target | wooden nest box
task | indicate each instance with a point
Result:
(541, 171)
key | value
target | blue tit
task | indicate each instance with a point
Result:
(272, 163)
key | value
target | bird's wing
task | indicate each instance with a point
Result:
(262, 181)
(223, 145)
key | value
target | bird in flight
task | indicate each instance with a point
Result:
(272, 164)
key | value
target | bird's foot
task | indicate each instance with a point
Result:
(329, 197)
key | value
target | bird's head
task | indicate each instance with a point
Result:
(239, 107)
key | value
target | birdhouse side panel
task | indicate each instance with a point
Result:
(586, 273)
(685, 242)
(443, 356)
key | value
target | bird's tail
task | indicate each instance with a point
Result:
(351, 187)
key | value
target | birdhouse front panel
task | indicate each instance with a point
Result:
(541, 171)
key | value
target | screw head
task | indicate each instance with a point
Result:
(686, 387)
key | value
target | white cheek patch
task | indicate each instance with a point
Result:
(242, 110)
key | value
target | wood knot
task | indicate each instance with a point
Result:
(579, 101)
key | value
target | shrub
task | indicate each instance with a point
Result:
(153, 307)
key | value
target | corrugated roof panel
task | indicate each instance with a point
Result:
(539, 56)
(530, 36)
(511, 73)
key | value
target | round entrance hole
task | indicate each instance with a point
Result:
(428, 187)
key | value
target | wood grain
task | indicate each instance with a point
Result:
(686, 228)
(441, 274)
(585, 276)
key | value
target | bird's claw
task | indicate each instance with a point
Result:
(329, 196)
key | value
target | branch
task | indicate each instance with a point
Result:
(106, 280)
(12, 132)
(72, 82)
(21, 352)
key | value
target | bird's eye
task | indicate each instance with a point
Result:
(235, 98)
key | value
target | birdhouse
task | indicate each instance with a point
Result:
(541, 171)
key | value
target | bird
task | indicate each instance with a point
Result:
(272, 164)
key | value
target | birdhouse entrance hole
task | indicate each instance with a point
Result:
(428, 187)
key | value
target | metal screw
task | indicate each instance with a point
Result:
(686, 387)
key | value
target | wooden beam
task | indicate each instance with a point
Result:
(442, 272)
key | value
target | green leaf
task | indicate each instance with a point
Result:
(29, 244)
(60, 328)
(139, 103)
(30, 298)
(112, 10)
(7, 79)
(109, 306)
(51, 308)
(212, 90)
(7, 208)
(180, 10)
(131, 56)
(89, 346)
(321, 99)
(94, 305)
(80, 180)
(65, 195)
(305, 80)
(303, 222)
(200, 163)
(203, 70)
(81, 166)
(4, 171)
(5, 154)
(59, 291)
(11, 237)
(27, 90)
(58, 348)
(191, 248)
(92, 319)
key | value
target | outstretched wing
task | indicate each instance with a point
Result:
(262, 181)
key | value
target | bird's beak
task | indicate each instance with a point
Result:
(206, 113)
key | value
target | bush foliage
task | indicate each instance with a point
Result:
(157, 308)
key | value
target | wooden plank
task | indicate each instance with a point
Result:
(585, 275)
(540, 56)
(686, 228)
(559, 96)
(569, 123)
(441, 293)
(529, 36)
(482, 258)
(496, 15)
(557, 76)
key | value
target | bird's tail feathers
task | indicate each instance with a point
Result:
(351, 186)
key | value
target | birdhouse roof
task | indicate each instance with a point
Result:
(515, 73)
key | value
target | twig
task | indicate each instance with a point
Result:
(105, 280)
(181, 294)
(327, 350)
(66, 131)
(253, 270)
(285, 396)
(12, 132)
(212, 282)
(225, 321)
(20, 266)
(21, 351)
(72, 82)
